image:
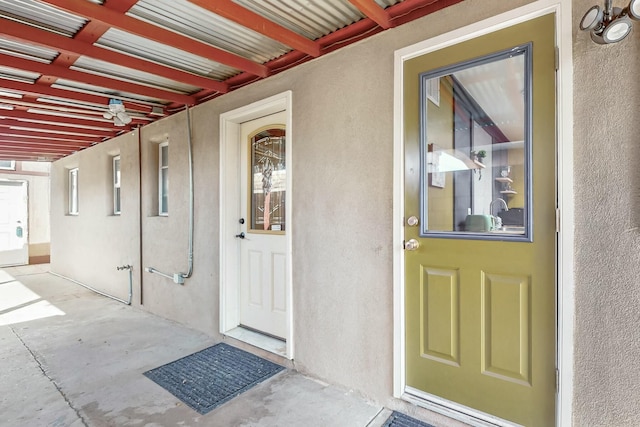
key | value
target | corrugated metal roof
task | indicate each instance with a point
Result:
(193, 21)
(309, 18)
(18, 75)
(27, 51)
(93, 89)
(41, 15)
(107, 69)
(137, 46)
(386, 3)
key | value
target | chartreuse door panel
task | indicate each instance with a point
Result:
(480, 207)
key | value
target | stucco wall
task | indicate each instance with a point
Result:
(89, 246)
(607, 218)
(342, 192)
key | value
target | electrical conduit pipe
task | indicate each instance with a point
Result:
(178, 278)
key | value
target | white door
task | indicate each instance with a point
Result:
(13, 223)
(263, 260)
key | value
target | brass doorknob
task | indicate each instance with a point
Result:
(411, 245)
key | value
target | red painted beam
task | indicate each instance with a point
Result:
(26, 157)
(410, 10)
(92, 79)
(242, 16)
(372, 10)
(35, 152)
(75, 48)
(106, 126)
(33, 133)
(58, 128)
(143, 29)
(41, 90)
(43, 142)
(37, 148)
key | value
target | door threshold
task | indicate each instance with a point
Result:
(453, 410)
(256, 339)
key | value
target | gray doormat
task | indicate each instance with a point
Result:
(396, 419)
(213, 376)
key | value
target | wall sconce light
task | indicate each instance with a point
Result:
(611, 24)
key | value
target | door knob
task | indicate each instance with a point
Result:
(240, 236)
(411, 245)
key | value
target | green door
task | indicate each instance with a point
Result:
(480, 196)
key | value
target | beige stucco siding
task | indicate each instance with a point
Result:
(342, 136)
(89, 246)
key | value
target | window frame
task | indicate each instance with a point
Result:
(161, 189)
(11, 167)
(73, 189)
(527, 51)
(117, 198)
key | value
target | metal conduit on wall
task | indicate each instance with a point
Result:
(178, 278)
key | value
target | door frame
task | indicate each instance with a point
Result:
(565, 236)
(229, 205)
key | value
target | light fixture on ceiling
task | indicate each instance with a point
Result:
(117, 112)
(611, 24)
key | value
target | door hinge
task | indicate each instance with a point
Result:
(557, 379)
(557, 58)
(557, 220)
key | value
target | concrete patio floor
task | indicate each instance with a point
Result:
(71, 357)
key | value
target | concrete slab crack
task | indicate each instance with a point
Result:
(51, 380)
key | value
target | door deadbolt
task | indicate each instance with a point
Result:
(411, 245)
(412, 221)
(241, 220)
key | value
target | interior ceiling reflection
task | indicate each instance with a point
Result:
(498, 87)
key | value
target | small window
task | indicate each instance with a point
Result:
(116, 185)
(163, 179)
(8, 165)
(73, 191)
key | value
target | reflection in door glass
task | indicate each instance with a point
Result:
(268, 180)
(475, 145)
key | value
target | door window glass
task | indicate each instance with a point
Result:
(475, 148)
(268, 178)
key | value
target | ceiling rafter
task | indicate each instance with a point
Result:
(373, 11)
(44, 91)
(12, 132)
(61, 129)
(32, 147)
(93, 79)
(35, 142)
(38, 150)
(43, 111)
(68, 121)
(245, 17)
(152, 32)
(410, 10)
(78, 48)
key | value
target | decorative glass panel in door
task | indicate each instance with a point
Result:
(268, 180)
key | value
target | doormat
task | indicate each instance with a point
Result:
(213, 376)
(396, 419)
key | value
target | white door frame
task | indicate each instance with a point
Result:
(230, 208)
(565, 255)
